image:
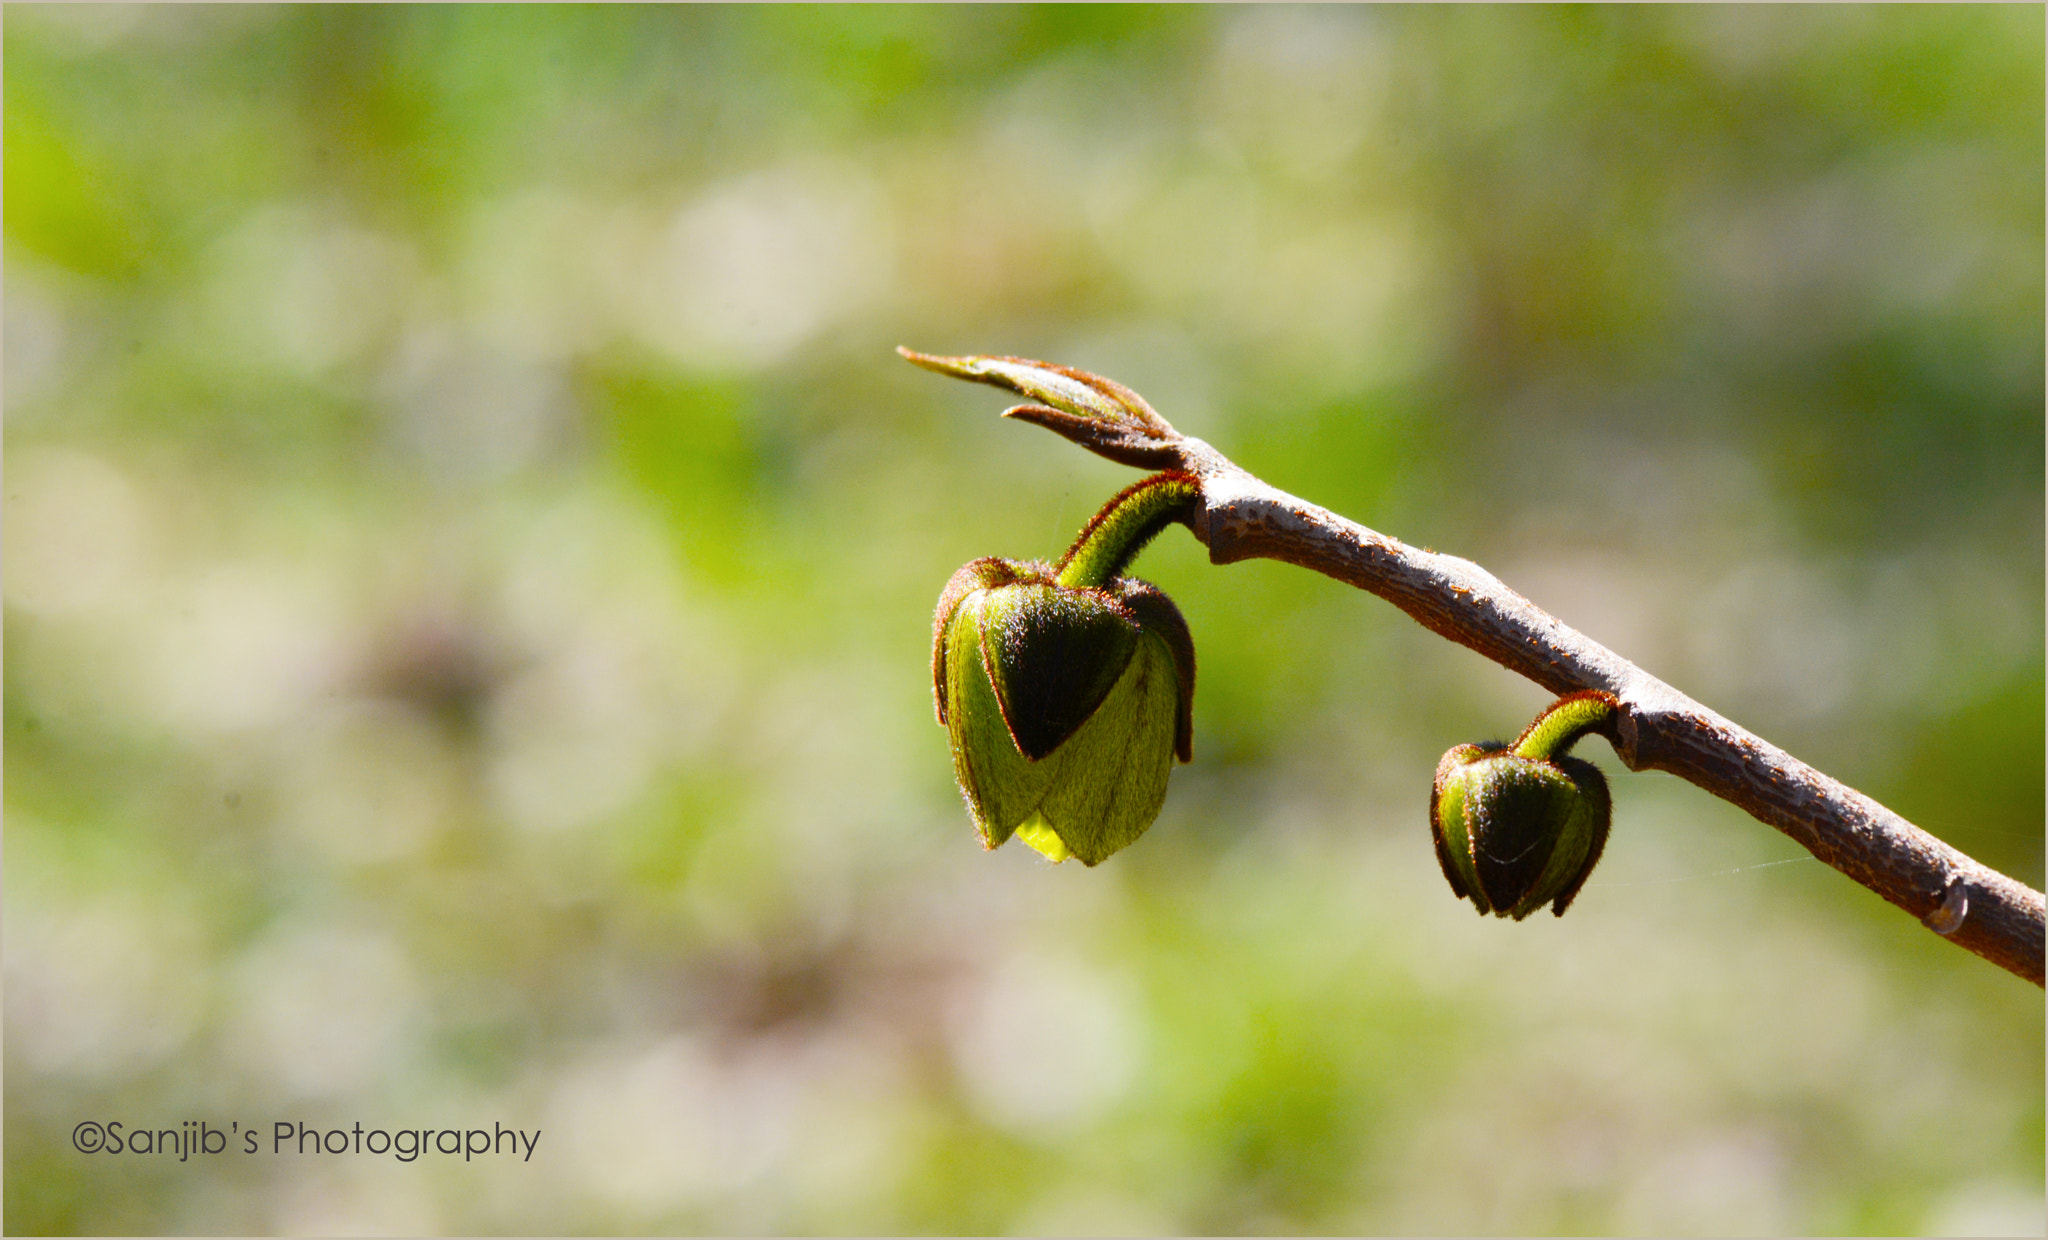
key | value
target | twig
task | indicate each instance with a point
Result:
(1659, 728)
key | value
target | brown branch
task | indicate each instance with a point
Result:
(1659, 728)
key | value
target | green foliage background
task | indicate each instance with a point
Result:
(470, 545)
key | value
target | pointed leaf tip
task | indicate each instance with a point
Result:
(1100, 414)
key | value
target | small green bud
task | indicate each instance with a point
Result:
(1067, 691)
(1520, 827)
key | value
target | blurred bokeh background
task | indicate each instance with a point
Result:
(470, 549)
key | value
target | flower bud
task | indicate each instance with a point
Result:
(1517, 828)
(1066, 699)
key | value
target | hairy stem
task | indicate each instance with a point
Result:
(1116, 534)
(1564, 721)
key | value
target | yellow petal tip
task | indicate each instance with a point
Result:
(1038, 833)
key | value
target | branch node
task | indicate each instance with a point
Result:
(1955, 906)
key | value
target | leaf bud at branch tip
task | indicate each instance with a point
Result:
(1100, 414)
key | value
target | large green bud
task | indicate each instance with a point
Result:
(1520, 827)
(1067, 689)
